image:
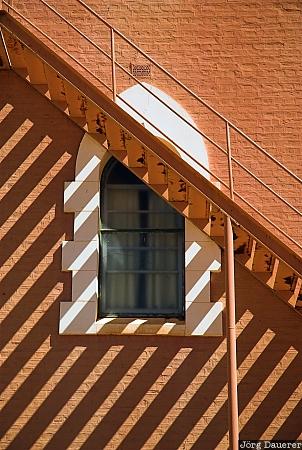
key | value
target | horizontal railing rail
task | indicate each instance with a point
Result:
(228, 125)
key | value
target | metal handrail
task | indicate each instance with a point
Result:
(228, 124)
(188, 90)
(118, 96)
(130, 75)
(113, 31)
(57, 45)
(233, 192)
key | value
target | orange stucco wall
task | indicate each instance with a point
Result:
(243, 57)
(98, 392)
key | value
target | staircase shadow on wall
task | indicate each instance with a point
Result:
(124, 392)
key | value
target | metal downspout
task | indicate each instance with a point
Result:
(231, 335)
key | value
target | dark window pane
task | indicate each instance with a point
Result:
(129, 239)
(144, 259)
(126, 200)
(127, 220)
(129, 294)
(119, 174)
(141, 249)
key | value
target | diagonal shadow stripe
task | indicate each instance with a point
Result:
(33, 215)
(273, 402)
(10, 125)
(168, 396)
(32, 340)
(30, 260)
(130, 399)
(30, 388)
(291, 428)
(27, 347)
(60, 394)
(32, 178)
(28, 304)
(200, 401)
(19, 153)
(213, 431)
(195, 408)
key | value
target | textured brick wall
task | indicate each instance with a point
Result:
(243, 57)
(115, 392)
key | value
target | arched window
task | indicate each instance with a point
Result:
(82, 315)
(142, 249)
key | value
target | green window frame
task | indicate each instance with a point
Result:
(141, 249)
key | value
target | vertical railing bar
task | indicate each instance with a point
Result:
(6, 4)
(230, 167)
(112, 39)
(5, 47)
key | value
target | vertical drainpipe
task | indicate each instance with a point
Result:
(231, 335)
(231, 310)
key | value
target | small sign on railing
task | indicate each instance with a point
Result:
(140, 70)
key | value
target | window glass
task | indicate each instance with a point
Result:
(141, 249)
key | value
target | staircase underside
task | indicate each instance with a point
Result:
(262, 253)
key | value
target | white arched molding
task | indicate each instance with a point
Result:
(81, 257)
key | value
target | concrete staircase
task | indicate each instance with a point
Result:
(201, 201)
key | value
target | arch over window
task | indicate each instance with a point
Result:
(142, 249)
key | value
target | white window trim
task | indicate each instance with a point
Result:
(81, 257)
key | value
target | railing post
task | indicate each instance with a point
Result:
(230, 167)
(231, 334)
(6, 7)
(113, 64)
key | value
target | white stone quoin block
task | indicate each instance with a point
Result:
(86, 225)
(79, 255)
(192, 233)
(204, 319)
(77, 317)
(198, 287)
(84, 285)
(81, 196)
(88, 161)
(202, 256)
